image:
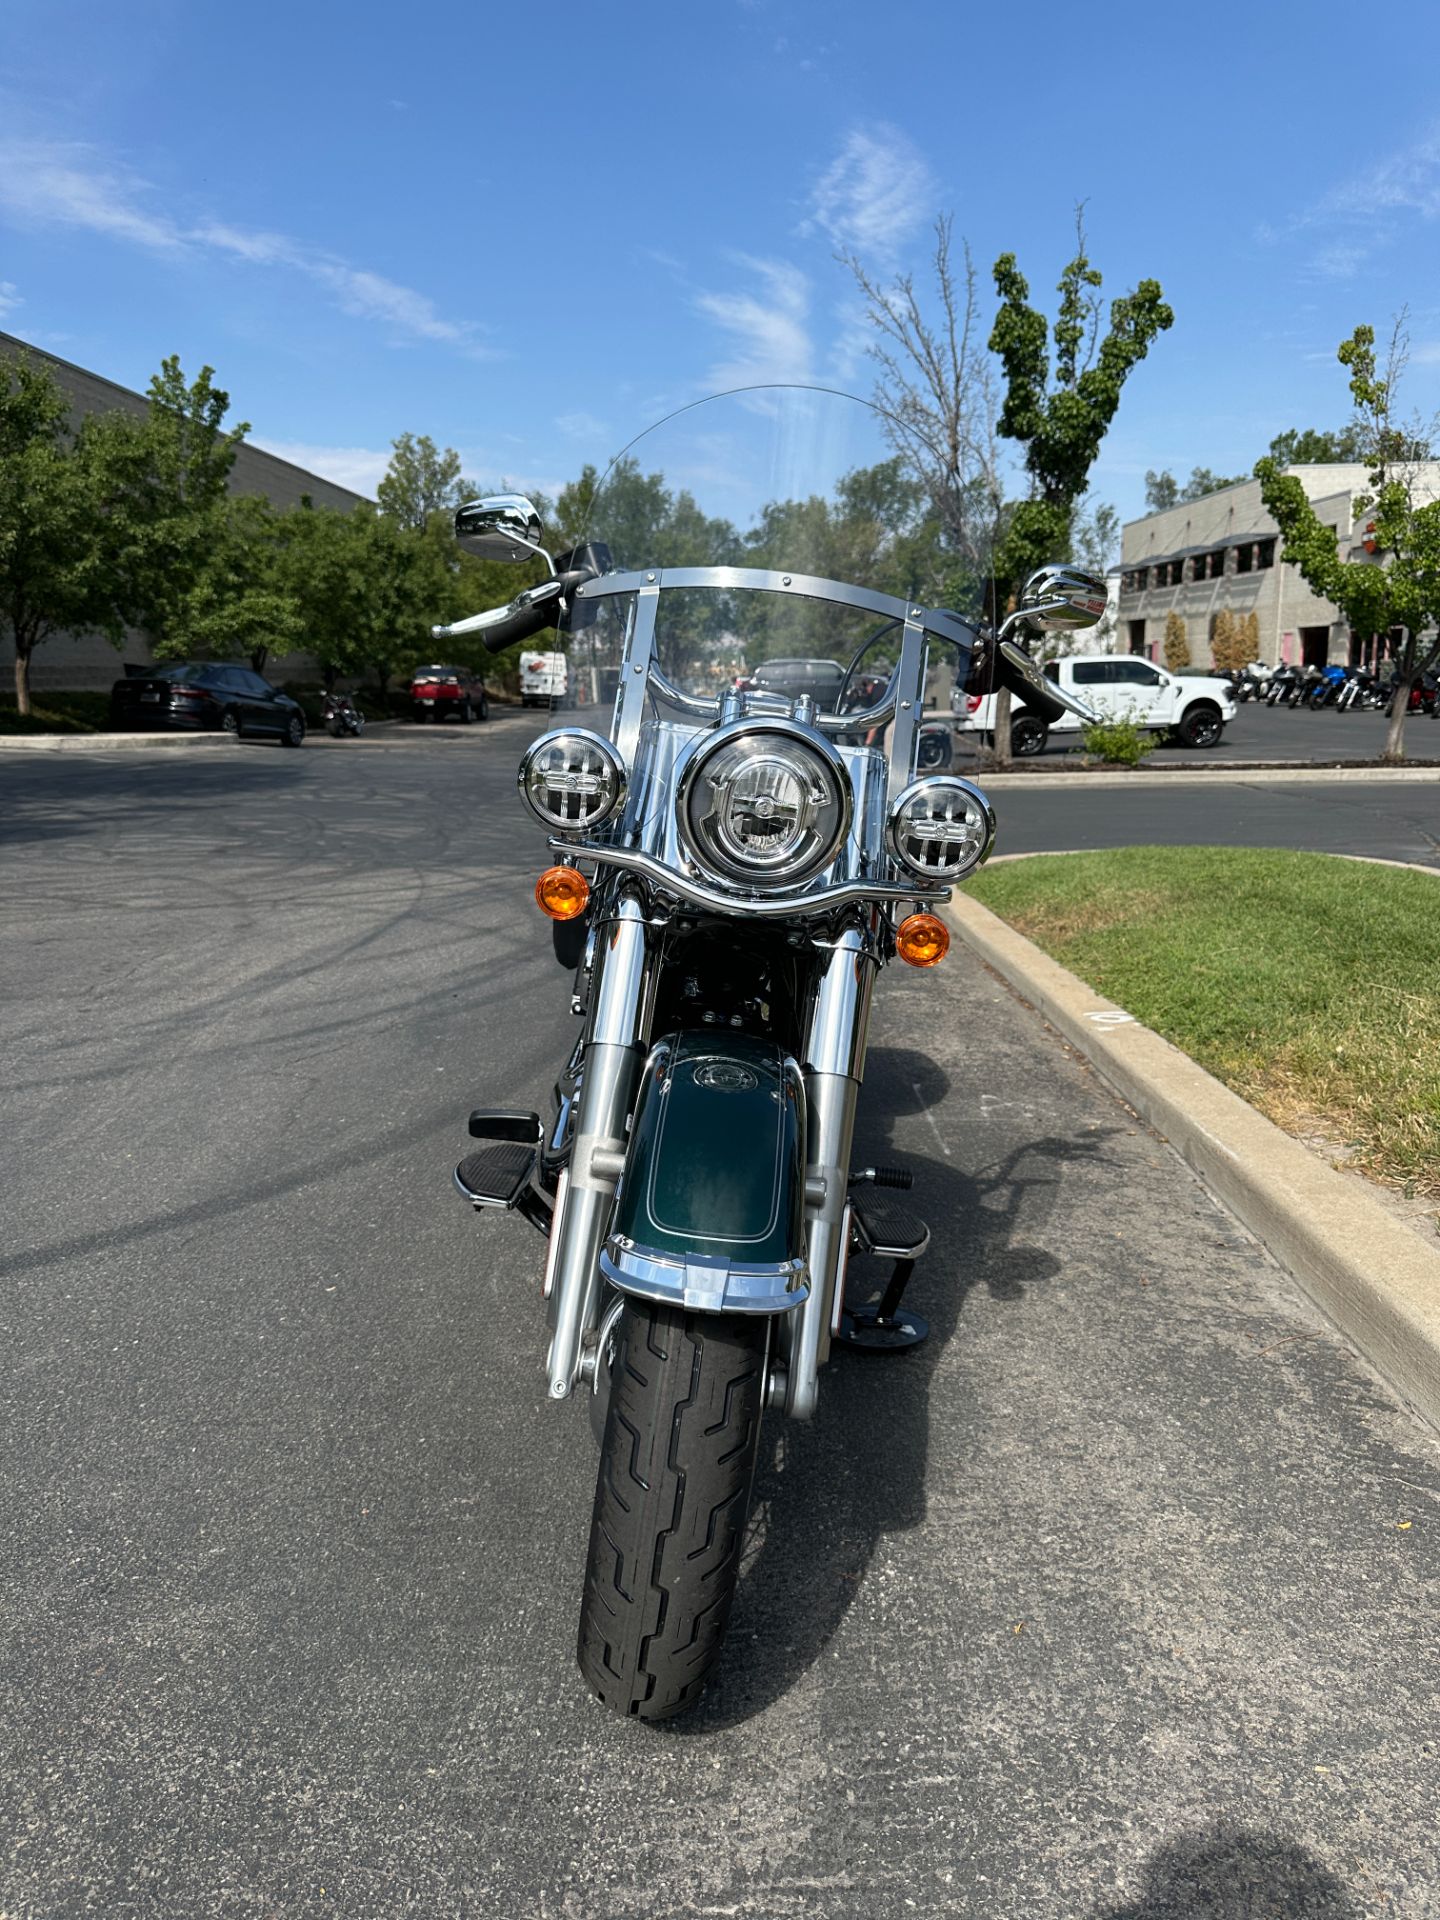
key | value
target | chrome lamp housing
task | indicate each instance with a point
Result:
(572, 780)
(941, 828)
(766, 806)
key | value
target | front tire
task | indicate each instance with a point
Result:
(677, 1463)
(1200, 727)
(292, 734)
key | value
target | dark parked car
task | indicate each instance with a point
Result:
(822, 679)
(206, 694)
(438, 691)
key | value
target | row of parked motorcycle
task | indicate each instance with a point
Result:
(1346, 689)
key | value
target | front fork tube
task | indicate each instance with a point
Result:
(834, 1068)
(614, 1055)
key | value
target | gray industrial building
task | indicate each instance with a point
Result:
(89, 660)
(1223, 551)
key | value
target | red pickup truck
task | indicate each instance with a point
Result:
(438, 691)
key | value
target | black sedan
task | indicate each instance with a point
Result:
(204, 694)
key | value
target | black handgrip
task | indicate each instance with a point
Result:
(523, 624)
(894, 1177)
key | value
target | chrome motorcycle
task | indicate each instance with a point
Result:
(732, 870)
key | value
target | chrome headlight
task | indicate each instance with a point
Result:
(764, 805)
(572, 780)
(942, 828)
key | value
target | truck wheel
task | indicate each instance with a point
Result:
(1028, 735)
(1200, 726)
(682, 1435)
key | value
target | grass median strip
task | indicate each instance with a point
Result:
(1308, 984)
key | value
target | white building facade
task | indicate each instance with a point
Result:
(1223, 552)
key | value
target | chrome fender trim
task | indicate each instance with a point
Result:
(704, 1283)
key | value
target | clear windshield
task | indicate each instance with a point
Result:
(798, 480)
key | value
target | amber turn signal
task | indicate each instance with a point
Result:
(921, 940)
(562, 893)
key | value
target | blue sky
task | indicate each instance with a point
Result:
(527, 235)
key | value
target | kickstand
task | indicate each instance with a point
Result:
(886, 1327)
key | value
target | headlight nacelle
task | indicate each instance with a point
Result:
(572, 780)
(766, 806)
(941, 828)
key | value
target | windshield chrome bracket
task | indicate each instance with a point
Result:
(908, 688)
(639, 661)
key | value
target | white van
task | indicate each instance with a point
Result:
(544, 680)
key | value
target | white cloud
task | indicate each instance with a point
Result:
(581, 426)
(9, 297)
(769, 329)
(1425, 353)
(45, 184)
(1407, 181)
(1340, 261)
(874, 194)
(359, 468)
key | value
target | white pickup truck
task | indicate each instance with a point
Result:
(1119, 686)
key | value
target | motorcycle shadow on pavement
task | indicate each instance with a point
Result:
(827, 1491)
(1235, 1873)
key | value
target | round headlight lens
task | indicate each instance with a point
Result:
(572, 780)
(942, 828)
(764, 807)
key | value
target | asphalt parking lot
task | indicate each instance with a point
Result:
(1260, 732)
(1116, 1600)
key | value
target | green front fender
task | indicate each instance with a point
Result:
(710, 1211)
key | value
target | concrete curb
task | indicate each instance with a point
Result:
(106, 742)
(1369, 1273)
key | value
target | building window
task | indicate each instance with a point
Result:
(1244, 559)
(1265, 553)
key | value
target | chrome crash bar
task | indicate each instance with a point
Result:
(696, 894)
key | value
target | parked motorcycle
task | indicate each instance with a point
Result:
(341, 715)
(730, 879)
(1424, 695)
(1284, 685)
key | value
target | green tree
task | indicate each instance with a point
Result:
(1311, 446)
(169, 477)
(1249, 639)
(1397, 590)
(239, 604)
(1058, 411)
(422, 479)
(57, 560)
(1177, 646)
(1163, 490)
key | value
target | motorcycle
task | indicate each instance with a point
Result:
(1424, 695)
(730, 878)
(341, 715)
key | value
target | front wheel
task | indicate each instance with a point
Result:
(677, 1463)
(292, 734)
(1200, 727)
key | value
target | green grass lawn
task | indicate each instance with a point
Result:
(1309, 984)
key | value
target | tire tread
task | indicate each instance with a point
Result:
(672, 1497)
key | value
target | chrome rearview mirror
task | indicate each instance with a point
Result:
(1062, 599)
(503, 527)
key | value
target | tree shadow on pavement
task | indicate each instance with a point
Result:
(826, 1492)
(1230, 1873)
